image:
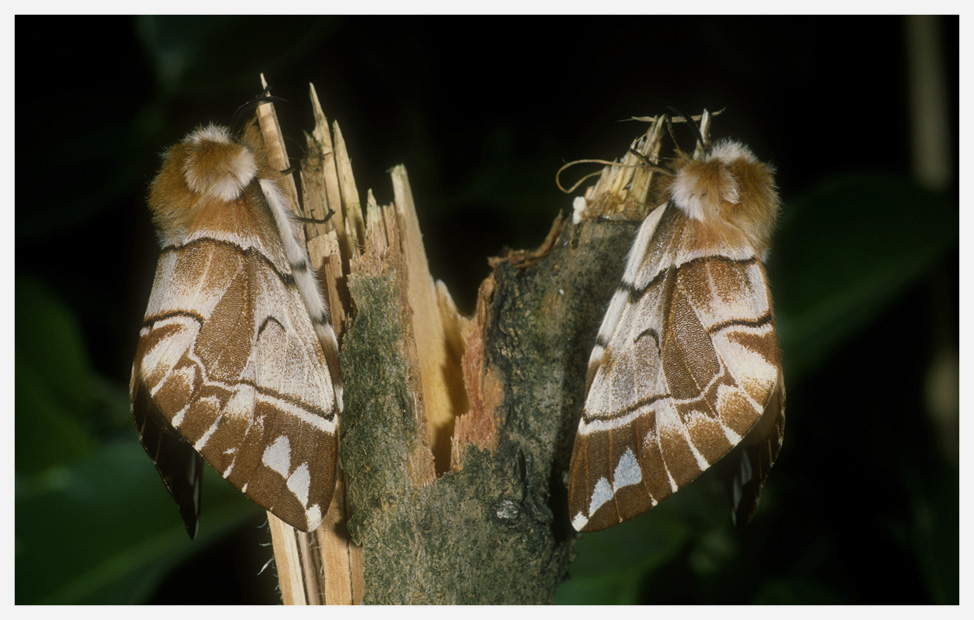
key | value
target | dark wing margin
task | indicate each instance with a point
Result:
(759, 451)
(178, 464)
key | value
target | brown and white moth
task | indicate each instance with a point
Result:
(686, 365)
(232, 358)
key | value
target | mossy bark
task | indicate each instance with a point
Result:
(496, 529)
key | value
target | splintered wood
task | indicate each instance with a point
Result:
(326, 566)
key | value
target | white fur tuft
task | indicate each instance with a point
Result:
(685, 195)
(211, 133)
(224, 179)
(727, 151)
(696, 195)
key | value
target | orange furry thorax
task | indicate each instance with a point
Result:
(207, 165)
(728, 193)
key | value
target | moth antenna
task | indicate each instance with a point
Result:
(669, 124)
(296, 146)
(236, 121)
(249, 106)
(649, 164)
(690, 122)
(669, 130)
(270, 98)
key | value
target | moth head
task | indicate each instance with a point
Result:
(728, 190)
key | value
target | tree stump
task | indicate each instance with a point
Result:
(457, 431)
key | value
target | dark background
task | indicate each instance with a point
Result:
(862, 506)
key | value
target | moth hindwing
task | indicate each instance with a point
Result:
(231, 358)
(686, 366)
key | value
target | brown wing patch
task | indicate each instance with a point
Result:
(231, 373)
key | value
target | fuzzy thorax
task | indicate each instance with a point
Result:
(216, 166)
(730, 192)
(207, 165)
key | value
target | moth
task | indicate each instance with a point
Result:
(686, 366)
(235, 361)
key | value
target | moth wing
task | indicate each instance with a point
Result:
(749, 395)
(626, 385)
(689, 369)
(164, 339)
(178, 464)
(287, 448)
(758, 453)
(229, 357)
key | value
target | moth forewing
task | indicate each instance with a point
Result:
(758, 452)
(686, 362)
(230, 358)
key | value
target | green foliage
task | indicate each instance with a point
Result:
(845, 250)
(54, 399)
(103, 529)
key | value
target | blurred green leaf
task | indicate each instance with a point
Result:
(797, 591)
(714, 551)
(611, 589)
(843, 252)
(610, 565)
(104, 530)
(632, 545)
(934, 530)
(53, 398)
(93, 521)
